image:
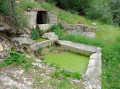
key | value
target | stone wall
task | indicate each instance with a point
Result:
(45, 26)
(83, 27)
(33, 16)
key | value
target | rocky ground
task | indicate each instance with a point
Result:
(38, 77)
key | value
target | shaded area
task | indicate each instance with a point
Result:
(42, 17)
(69, 60)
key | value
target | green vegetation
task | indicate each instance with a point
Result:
(40, 40)
(35, 34)
(25, 4)
(40, 49)
(17, 59)
(106, 11)
(17, 17)
(48, 6)
(108, 39)
(69, 60)
(53, 83)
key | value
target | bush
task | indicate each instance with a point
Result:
(100, 10)
(17, 18)
(4, 6)
(115, 7)
(35, 34)
(16, 58)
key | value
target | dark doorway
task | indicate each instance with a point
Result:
(42, 17)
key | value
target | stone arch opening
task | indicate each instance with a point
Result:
(42, 17)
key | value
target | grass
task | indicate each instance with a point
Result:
(48, 6)
(40, 40)
(69, 60)
(53, 83)
(25, 4)
(17, 59)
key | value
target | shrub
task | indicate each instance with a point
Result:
(99, 9)
(17, 17)
(115, 7)
(16, 58)
(35, 34)
(4, 6)
(56, 27)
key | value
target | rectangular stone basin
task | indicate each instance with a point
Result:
(69, 60)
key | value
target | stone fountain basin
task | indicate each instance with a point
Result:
(93, 72)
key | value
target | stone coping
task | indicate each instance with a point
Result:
(92, 75)
(79, 48)
(42, 44)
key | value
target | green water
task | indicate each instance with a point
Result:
(40, 40)
(69, 60)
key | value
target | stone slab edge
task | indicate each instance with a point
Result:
(46, 43)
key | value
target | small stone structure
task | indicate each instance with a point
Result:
(91, 78)
(92, 75)
(82, 27)
(44, 18)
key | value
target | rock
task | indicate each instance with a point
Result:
(23, 41)
(23, 31)
(50, 36)
(2, 28)
(4, 54)
(76, 82)
(93, 82)
(6, 42)
(1, 47)
(89, 87)
(25, 36)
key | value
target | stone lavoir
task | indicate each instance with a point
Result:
(92, 74)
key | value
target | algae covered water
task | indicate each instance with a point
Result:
(69, 60)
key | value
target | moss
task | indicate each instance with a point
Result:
(40, 40)
(69, 60)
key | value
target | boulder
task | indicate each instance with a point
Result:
(25, 36)
(3, 55)
(23, 31)
(6, 42)
(76, 82)
(50, 36)
(23, 41)
(2, 28)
